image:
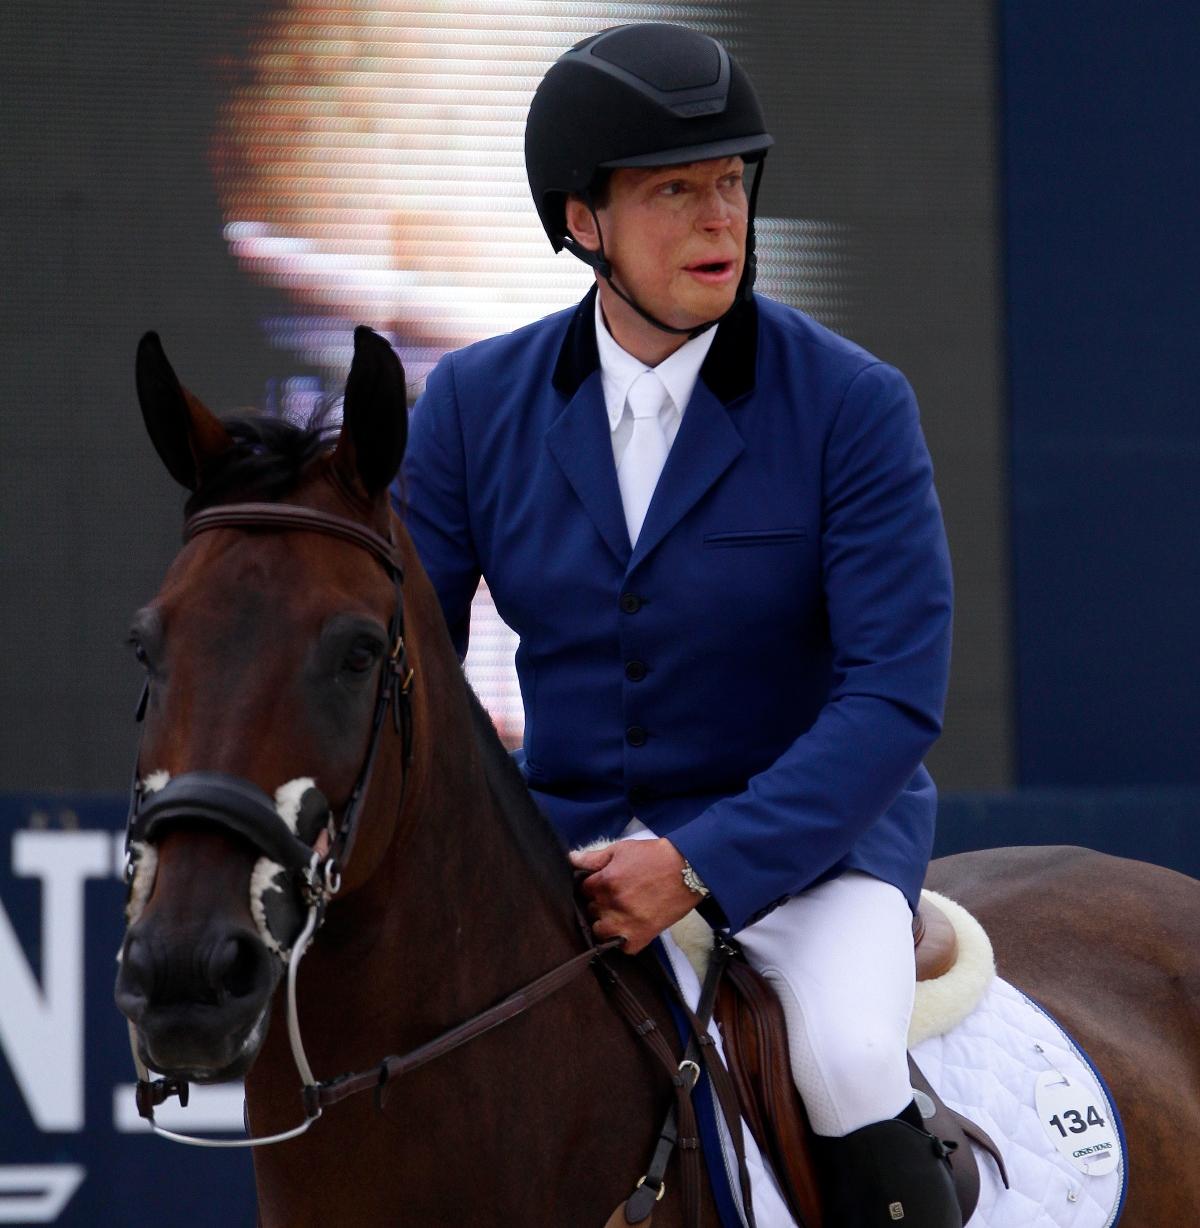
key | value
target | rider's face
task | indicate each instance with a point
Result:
(675, 236)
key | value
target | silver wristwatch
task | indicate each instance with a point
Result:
(692, 881)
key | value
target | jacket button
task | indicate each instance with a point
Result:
(635, 735)
(635, 671)
(630, 603)
(640, 793)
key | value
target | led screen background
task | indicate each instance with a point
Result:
(251, 179)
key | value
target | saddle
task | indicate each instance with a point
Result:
(754, 1036)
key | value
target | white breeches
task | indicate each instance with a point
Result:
(840, 957)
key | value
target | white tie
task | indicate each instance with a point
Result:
(646, 451)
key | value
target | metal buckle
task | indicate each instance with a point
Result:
(662, 1189)
(695, 1069)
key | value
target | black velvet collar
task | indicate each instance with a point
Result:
(728, 370)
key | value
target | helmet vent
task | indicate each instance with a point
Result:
(665, 57)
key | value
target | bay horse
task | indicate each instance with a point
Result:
(273, 651)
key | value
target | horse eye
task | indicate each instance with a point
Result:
(139, 651)
(362, 656)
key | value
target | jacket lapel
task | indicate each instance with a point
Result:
(579, 439)
(706, 445)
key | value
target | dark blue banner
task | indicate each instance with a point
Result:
(72, 1148)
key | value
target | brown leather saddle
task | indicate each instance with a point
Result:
(755, 1040)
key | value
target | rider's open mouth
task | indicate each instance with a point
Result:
(712, 271)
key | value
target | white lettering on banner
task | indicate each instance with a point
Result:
(41, 1027)
(37, 1193)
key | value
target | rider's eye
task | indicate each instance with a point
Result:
(139, 651)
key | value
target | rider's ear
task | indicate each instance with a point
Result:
(184, 433)
(581, 222)
(374, 416)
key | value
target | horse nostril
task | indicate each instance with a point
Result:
(137, 968)
(235, 966)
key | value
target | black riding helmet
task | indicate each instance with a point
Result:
(638, 95)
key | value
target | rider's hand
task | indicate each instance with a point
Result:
(635, 890)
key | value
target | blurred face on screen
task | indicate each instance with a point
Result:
(676, 238)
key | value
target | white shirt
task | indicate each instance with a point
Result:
(618, 369)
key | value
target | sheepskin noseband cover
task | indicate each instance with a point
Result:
(275, 903)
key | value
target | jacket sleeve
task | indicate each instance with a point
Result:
(886, 577)
(431, 498)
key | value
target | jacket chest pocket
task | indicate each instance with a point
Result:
(755, 537)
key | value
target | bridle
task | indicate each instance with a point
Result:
(313, 856)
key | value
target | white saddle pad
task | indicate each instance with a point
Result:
(988, 1067)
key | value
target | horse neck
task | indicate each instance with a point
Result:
(465, 901)
(470, 903)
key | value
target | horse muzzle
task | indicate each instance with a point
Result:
(201, 1009)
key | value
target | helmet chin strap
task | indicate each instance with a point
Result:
(598, 261)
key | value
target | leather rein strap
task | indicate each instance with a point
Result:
(318, 1096)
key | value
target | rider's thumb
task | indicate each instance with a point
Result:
(592, 859)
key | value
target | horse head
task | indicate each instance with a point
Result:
(272, 651)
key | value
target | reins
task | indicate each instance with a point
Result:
(318, 1096)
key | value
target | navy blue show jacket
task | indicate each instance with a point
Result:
(761, 676)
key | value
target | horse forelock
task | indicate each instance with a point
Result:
(269, 459)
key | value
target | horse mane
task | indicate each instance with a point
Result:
(531, 832)
(267, 461)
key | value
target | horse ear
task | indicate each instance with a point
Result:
(184, 433)
(374, 415)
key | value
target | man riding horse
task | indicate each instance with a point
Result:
(713, 525)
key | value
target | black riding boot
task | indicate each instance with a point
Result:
(887, 1174)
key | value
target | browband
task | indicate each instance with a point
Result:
(288, 516)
